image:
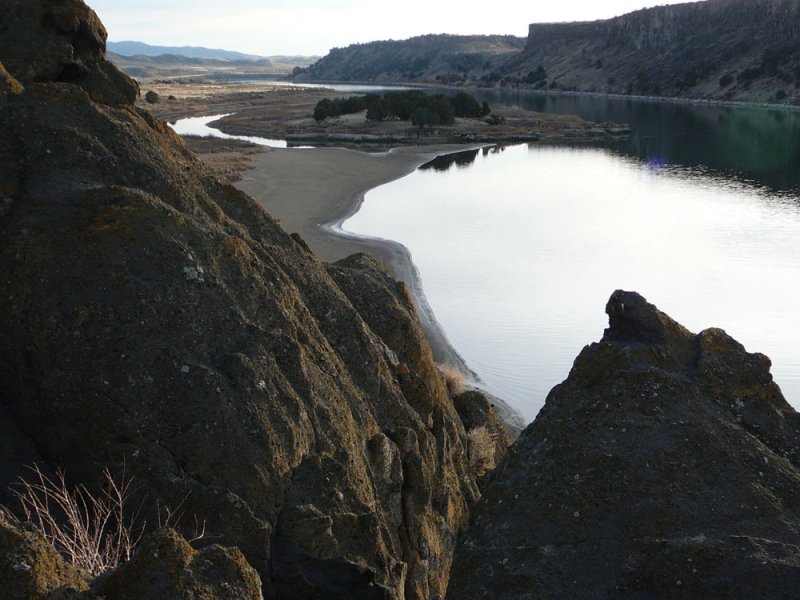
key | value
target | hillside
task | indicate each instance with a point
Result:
(167, 66)
(716, 49)
(156, 321)
(720, 49)
(442, 58)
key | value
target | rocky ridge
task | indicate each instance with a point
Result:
(715, 49)
(726, 50)
(666, 465)
(443, 58)
(155, 319)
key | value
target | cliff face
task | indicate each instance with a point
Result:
(723, 49)
(666, 465)
(717, 49)
(154, 317)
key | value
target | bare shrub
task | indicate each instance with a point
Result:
(169, 517)
(90, 530)
(481, 450)
(453, 379)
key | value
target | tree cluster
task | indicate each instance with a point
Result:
(339, 106)
(423, 109)
(416, 106)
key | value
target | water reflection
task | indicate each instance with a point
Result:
(442, 164)
(751, 144)
(518, 254)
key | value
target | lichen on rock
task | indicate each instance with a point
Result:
(667, 463)
(156, 318)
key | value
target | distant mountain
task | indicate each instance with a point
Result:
(129, 48)
(717, 49)
(174, 65)
(444, 58)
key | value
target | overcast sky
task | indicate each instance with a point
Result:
(270, 27)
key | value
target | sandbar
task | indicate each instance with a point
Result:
(311, 191)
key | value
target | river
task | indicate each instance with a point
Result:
(519, 248)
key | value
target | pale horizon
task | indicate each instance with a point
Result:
(313, 27)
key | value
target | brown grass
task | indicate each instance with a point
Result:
(453, 379)
(481, 450)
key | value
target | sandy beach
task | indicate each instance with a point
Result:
(311, 191)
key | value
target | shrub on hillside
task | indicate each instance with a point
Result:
(748, 75)
(726, 80)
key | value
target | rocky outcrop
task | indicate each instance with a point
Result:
(157, 320)
(61, 42)
(30, 569)
(166, 566)
(719, 49)
(740, 50)
(666, 465)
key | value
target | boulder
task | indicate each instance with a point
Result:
(61, 41)
(166, 566)
(666, 465)
(31, 569)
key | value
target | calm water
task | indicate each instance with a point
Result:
(199, 126)
(519, 251)
(699, 210)
(762, 146)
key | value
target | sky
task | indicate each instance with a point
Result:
(312, 27)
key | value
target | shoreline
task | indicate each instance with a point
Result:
(312, 191)
(616, 96)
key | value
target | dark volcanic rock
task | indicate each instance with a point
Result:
(665, 465)
(61, 41)
(154, 317)
(30, 569)
(717, 49)
(166, 566)
(487, 436)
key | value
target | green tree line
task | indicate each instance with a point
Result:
(414, 105)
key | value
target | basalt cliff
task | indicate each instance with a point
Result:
(715, 49)
(742, 50)
(155, 321)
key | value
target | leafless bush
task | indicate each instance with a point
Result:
(169, 517)
(453, 379)
(481, 450)
(90, 530)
